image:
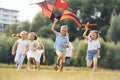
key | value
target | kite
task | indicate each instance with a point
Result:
(48, 8)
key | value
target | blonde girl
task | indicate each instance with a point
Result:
(20, 45)
(31, 45)
(93, 51)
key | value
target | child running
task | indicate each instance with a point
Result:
(93, 51)
(20, 44)
(39, 50)
(69, 54)
(61, 43)
(31, 45)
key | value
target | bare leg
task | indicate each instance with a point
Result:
(89, 63)
(38, 65)
(61, 63)
(94, 63)
(58, 59)
(28, 64)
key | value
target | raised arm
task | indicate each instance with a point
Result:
(85, 33)
(53, 26)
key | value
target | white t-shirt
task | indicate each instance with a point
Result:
(21, 45)
(69, 50)
(32, 44)
(93, 44)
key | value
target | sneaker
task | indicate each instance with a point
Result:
(56, 66)
(28, 69)
(16, 65)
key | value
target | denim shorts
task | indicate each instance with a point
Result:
(91, 54)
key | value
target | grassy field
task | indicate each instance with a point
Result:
(8, 72)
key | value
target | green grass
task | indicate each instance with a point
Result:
(8, 72)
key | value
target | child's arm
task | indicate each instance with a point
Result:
(35, 48)
(43, 57)
(53, 26)
(86, 29)
(26, 50)
(72, 53)
(84, 34)
(98, 52)
(14, 47)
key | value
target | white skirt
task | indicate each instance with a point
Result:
(30, 54)
(38, 54)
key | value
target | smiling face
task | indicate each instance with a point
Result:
(64, 30)
(94, 35)
(23, 34)
(31, 36)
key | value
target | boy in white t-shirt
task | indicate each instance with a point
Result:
(69, 54)
(93, 52)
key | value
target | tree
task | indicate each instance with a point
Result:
(113, 31)
(39, 21)
(25, 25)
(10, 29)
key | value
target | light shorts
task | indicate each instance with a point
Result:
(91, 54)
(61, 54)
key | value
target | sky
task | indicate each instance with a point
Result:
(26, 11)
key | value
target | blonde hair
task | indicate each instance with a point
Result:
(94, 31)
(64, 26)
(23, 32)
(33, 33)
(20, 34)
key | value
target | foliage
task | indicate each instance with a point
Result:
(80, 52)
(11, 29)
(39, 21)
(49, 51)
(113, 31)
(5, 49)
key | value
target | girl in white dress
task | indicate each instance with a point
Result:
(31, 45)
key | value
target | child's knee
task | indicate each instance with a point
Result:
(88, 66)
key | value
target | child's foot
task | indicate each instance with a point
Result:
(16, 65)
(28, 69)
(56, 66)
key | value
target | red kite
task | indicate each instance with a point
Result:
(48, 9)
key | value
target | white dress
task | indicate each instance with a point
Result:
(31, 46)
(38, 54)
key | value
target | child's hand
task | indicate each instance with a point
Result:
(34, 49)
(67, 45)
(99, 56)
(55, 20)
(24, 53)
(86, 26)
(13, 53)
